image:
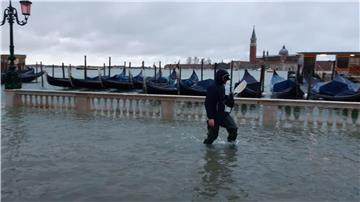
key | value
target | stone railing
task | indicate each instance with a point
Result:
(246, 111)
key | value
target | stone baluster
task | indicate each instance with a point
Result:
(145, 106)
(35, 101)
(177, 106)
(332, 118)
(181, 113)
(22, 100)
(65, 103)
(138, 107)
(203, 112)
(358, 117)
(348, 117)
(46, 101)
(339, 118)
(158, 109)
(309, 116)
(107, 106)
(131, 110)
(70, 102)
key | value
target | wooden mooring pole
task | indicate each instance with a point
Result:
(85, 67)
(42, 77)
(63, 70)
(109, 66)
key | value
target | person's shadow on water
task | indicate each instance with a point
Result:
(217, 180)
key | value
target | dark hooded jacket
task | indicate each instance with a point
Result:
(216, 99)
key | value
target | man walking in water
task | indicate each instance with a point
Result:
(215, 109)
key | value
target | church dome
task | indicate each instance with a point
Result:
(284, 51)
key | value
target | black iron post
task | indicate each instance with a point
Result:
(13, 80)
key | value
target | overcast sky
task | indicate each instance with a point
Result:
(65, 31)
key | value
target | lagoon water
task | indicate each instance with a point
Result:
(52, 155)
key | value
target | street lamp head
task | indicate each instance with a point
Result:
(25, 7)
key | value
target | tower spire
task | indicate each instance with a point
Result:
(252, 54)
(253, 36)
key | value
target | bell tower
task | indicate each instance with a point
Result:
(253, 47)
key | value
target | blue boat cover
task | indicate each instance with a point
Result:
(203, 85)
(279, 84)
(191, 80)
(340, 86)
(139, 77)
(248, 78)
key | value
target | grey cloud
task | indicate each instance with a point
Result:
(161, 30)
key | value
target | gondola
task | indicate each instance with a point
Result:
(61, 82)
(119, 81)
(285, 88)
(161, 85)
(27, 75)
(339, 89)
(200, 87)
(253, 87)
(192, 85)
(89, 82)
(30, 76)
(138, 80)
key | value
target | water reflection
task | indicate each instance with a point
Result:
(13, 134)
(218, 180)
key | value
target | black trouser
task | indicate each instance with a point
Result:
(230, 126)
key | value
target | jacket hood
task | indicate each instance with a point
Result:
(220, 75)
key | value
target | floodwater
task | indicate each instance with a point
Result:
(50, 155)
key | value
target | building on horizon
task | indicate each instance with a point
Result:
(20, 62)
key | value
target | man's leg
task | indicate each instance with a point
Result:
(212, 134)
(231, 127)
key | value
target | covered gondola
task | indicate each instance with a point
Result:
(89, 82)
(61, 82)
(30, 76)
(253, 87)
(27, 75)
(161, 85)
(192, 85)
(138, 80)
(339, 89)
(285, 88)
(119, 81)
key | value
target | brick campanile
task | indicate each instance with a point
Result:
(253, 47)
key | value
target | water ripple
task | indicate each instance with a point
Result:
(49, 155)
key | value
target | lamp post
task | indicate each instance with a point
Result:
(13, 81)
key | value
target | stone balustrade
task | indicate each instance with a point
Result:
(254, 111)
